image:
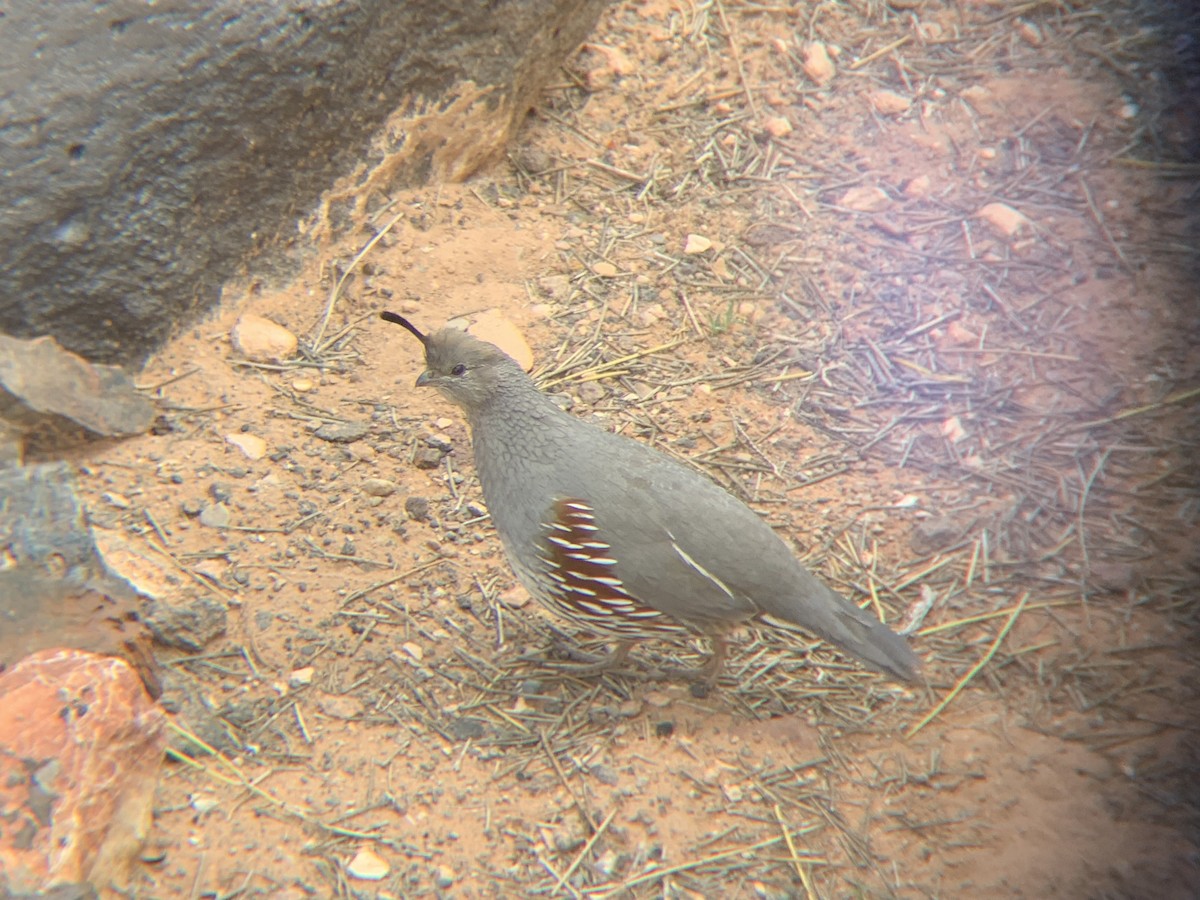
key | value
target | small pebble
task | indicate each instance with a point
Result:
(1004, 219)
(889, 103)
(865, 198)
(378, 487)
(816, 62)
(251, 445)
(417, 508)
(215, 515)
(342, 432)
(367, 865)
(777, 126)
(261, 340)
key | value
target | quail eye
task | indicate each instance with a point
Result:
(459, 371)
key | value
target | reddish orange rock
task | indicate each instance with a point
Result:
(80, 749)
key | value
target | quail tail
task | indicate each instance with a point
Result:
(855, 631)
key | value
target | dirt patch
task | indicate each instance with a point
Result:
(980, 423)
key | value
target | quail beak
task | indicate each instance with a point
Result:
(424, 379)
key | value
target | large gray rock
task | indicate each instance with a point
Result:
(147, 150)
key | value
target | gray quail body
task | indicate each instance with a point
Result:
(622, 539)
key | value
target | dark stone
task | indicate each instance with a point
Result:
(343, 432)
(149, 150)
(934, 534)
(466, 729)
(190, 627)
(417, 508)
(428, 457)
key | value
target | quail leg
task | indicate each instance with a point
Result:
(711, 670)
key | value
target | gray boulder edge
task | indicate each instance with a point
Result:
(147, 152)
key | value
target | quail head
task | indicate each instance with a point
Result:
(621, 539)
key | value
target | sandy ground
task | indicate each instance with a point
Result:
(936, 321)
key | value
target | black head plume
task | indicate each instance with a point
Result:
(396, 319)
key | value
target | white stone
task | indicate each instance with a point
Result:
(1004, 219)
(368, 865)
(251, 445)
(260, 340)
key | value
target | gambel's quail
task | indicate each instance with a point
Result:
(621, 539)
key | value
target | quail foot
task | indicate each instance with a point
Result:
(621, 539)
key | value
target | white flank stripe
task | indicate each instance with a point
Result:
(703, 571)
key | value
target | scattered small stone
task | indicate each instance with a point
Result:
(617, 61)
(303, 385)
(605, 269)
(918, 187)
(204, 803)
(191, 507)
(466, 728)
(568, 838)
(953, 430)
(976, 94)
(475, 509)
(556, 287)
(607, 863)
(120, 501)
(428, 457)
(342, 432)
(696, 243)
(933, 534)
(1004, 219)
(777, 126)
(220, 491)
(605, 774)
(444, 877)
(1113, 576)
(629, 709)
(413, 650)
(514, 598)
(368, 865)
(417, 508)
(251, 445)
(301, 677)
(379, 487)
(340, 706)
(889, 103)
(664, 729)
(189, 627)
(958, 334)
(1029, 32)
(260, 340)
(215, 515)
(816, 63)
(866, 198)
(657, 699)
